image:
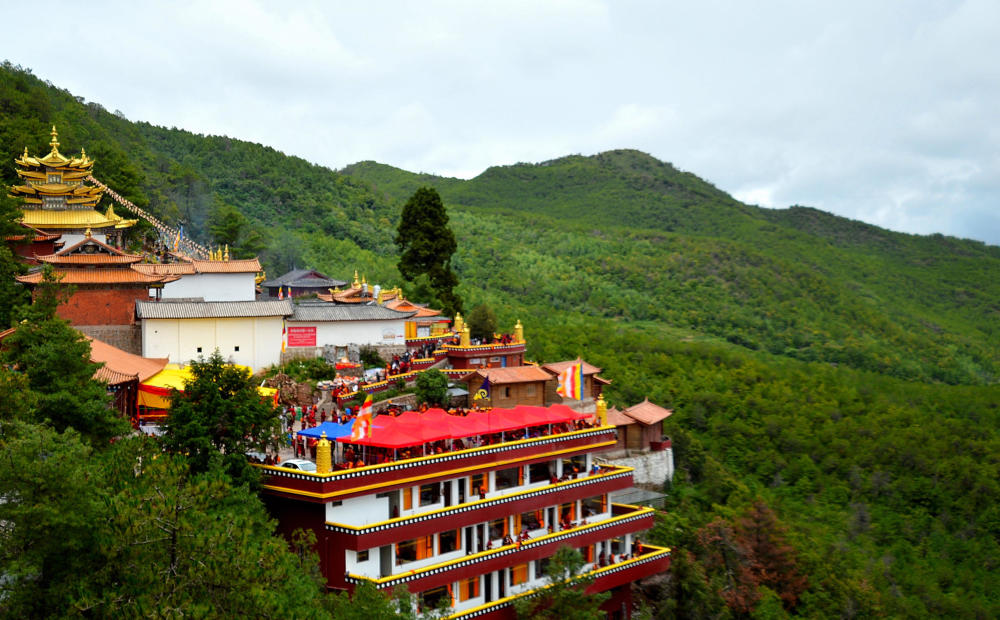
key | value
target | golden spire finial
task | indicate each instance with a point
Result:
(26, 152)
(519, 332)
(225, 256)
(55, 140)
(87, 232)
(356, 284)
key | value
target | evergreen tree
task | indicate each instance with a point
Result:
(55, 359)
(12, 293)
(432, 387)
(220, 415)
(482, 322)
(426, 245)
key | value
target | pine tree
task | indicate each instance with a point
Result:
(55, 358)
(426, 245)
(219, 416)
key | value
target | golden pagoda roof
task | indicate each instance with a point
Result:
(73, 218)
(55, 159)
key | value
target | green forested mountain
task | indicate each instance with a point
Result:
(844, 375)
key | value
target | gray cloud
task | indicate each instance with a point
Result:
(876, 111)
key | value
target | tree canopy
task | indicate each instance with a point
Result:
(55, 360)
(565, 595)
(426, 245)
(432, 387)
(220, 415)
(482, 322)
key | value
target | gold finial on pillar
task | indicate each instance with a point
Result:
(324, 463)
(465, 336)
(459, 322)
(55, 140)
(226, 255)
(519, 332)
(602, 410)
(356, 283)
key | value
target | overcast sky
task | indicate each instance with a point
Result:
(887, 112)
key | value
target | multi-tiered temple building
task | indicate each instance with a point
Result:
(475, 523)
(58, 200)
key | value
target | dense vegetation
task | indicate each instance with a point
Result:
(833, 381)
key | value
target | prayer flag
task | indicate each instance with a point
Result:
(281, 292)
(483, 392)
(361, 427)
(284, 335)
(571, 382)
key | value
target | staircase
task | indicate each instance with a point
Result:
(168, 234)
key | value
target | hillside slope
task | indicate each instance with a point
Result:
(807, 356)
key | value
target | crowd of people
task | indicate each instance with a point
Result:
(295, 419)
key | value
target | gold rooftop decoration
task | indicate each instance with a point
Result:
(519, 332)
(56, 197)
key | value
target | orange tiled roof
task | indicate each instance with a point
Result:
(248, 265)
(511, 374)
(352, 296)
(113, 377)
(404, 305)
(89, 259)
(35, 234)
(123, 363)
(98, 276)
(617, 418)
(165, 269)
(647, 412)
(558, 367)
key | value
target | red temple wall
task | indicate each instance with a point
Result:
(105, 306)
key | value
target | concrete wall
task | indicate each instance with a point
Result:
(125, 337)
(212, 287)
(258, 339)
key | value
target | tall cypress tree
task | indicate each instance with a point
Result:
(426, 245)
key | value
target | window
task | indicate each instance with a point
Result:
(518, 574)
(506, 392)
(567, 513)
(575, 465)
(494, 360)
(363, 556)
(541, 566)
(54, 178)
(430, 493)
(539, 472)
(587, 553)
(507, 478)
(531, 520)
(199, 349)
(529, 390)
(480, 484)
(447, 541)
(468, 588)
(414, 549)
(498, 528)
(236, 348)
(429, 600)
(594, 505)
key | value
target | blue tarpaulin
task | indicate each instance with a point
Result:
(332, 430)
